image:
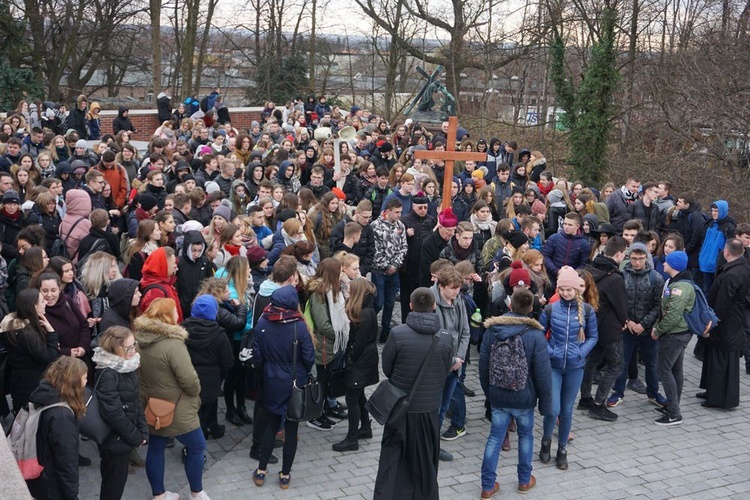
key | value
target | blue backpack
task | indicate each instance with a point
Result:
(701, 319)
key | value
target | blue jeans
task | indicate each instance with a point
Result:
(648, 352)
(565, 385)
(195, 443)
(458, 405)
(386, 287)
(499, 428)
(448, 389)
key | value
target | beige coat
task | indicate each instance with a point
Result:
(166, 371)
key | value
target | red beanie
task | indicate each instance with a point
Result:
(447, 218)
(339, 193)
(519, 276)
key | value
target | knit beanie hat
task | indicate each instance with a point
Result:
(516, 238)
(477, 174)
(81, 143)
(677, 260)
(519, 276)
(212, 187)
(538, 208)
(205, 307)
(256, 255)
(447, 218)
(419, 199)
(147, 201)
(339, 193)
(223, 211)
(555, 196)
(567, 277)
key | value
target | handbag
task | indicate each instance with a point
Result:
(389, 404)
(92, 425)
(337, 377)
(160, 412)
(305, 403)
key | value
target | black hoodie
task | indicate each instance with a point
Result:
(191, 273)
(613, 298)
(120, 296)
(211, 354)
(122, 122)
(57, 447)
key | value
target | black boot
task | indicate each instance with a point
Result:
(348, 444)
(233, 417)
(365, 431)
(544, 453)
(216, 430)
(562, 459)
(242, 413)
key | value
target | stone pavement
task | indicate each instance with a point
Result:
(705, 457)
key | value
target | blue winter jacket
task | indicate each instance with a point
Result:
(539, 385)
(561, 250)
(716, 236)
(565, 350)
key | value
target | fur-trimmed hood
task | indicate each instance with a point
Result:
(10, 323)
(510, 324)
(149, 331)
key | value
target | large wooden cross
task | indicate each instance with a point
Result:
(450, 155)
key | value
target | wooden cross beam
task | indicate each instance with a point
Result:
(450, 155)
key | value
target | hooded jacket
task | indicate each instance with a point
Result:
(717, 233)
(79, 208)
(164, 107)
(166, 372)
(191, 273)
(677, 298)
(539, 384)
(693, 230)
(561, 320)
(120, 408)
(644, 289)
(273, 350)
(210, 353)
(362, 349)
(156, 282)
(120, 294)
(117, 178)
(407, 348)
(364, 248)
(122, 122)
(455, 320)
(49, 222)
(57, 447)
(613, 298)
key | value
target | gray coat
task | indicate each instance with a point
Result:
(644, 294)
(404, 352)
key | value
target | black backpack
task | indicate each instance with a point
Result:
(60, 246)
(509, 369)
(204, 104)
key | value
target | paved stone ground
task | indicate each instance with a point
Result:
(706, 457)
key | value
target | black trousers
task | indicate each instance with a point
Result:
(407, 286)
(269, 438)
(114, 471)
(208, 414)
(234, 385)
(355, 404)
(260, 418)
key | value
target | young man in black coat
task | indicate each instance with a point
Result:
(408, 460)
(611, 316)
(192, 268)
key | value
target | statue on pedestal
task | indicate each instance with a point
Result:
(433, 93)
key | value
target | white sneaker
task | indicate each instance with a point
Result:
(200, 495)
(168, 495)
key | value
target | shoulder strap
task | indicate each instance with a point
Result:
(295, 346)
(152, 286)
(424, 364)
(548, 310)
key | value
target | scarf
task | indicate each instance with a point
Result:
(368, 179)
(14, 217)
(141, 214)
(482, 225)
(544, 191)
(149, 247)
(461, 253)
(289, 240)
(629, 197)
(281, 315)
(233, 250)
(106, 359)
(339, 321)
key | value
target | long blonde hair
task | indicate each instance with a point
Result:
(359, 288)
(237, 268)
(95, 273)
(65, 374)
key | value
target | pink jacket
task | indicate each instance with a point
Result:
(79, 207)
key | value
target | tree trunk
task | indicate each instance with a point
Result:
(155, 10)
(204, 45)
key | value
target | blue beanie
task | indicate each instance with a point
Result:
(205, 307)
(677, 260)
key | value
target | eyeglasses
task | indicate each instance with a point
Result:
(130, 349)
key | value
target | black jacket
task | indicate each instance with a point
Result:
(77, 121)
(431, 248)
(9, 230)
(693, 230)
(120, 296)
(89, 244)
(211, 354)
(164, 107)
(122, 122)
(191, 273)
(364, 249)
(613, 298)
(423, 227)
(50, 224)
(120, 408)
(56, 447)
(727, 298)
(649, 218)
(644, 290)
(404, 352)
(362, 350)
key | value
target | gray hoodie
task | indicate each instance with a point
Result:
(455, 320)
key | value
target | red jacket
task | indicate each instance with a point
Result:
(155, 273)
(118, 179)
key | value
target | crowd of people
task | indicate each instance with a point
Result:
(232, 262)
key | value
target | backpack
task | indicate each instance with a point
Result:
(145, 289)
(60, 245)
(99, 245)
(22, 439)
(509, 369)
(701, 318)
(204, 104)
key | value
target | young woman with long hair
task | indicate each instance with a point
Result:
(165, 221)
(98, 273)
(32, 262)
(116, 359)
(325, 215)
(71, 286)
(167, 373)
(331, 329)
(573, 333)
(57, 434)
(230, 245)
(533, 261)
(148, 239)
(361, 361)
(33, 345)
